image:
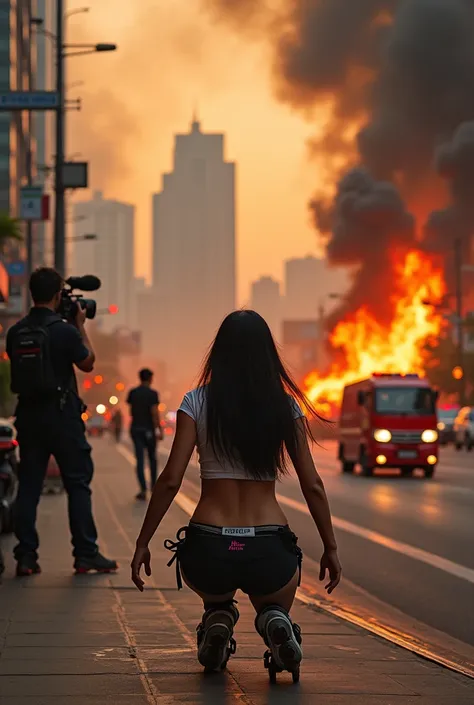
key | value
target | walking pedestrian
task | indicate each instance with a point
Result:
(117, 424)
(145, 429)
(246, 419)
(43, 349)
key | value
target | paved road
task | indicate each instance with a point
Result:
(407, 542)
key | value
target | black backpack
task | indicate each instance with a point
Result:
(32, 373)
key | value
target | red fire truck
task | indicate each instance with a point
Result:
(389, 421)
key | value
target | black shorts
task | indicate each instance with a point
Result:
(219, 560)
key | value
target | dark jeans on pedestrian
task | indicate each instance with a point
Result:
(43, 432)
(144, 439)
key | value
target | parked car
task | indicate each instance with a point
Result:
(8, 475)
(446, 419)
(464, 429)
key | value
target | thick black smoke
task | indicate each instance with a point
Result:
(369, 221)
(404, 69)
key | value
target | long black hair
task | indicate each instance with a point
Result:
(251, 398)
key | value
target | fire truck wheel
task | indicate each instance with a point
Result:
(406, 472)
(347, 467)
(429, 471)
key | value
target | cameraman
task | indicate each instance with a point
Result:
(43, 349)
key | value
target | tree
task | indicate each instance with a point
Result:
(442, 359)
(10, 229)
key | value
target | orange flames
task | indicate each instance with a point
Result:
(368, 347)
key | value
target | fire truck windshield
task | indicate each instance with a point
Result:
(407, 400)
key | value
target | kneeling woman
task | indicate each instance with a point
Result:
(246, 421)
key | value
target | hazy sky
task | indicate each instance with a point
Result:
(170, 59)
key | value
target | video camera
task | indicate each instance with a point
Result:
(70, 301)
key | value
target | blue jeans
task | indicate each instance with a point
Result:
(61, 434)
(145, 440)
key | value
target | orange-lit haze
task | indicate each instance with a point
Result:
(170, 61)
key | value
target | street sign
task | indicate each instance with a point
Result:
(75, 174)
(17, 268)
(29, 100)
(31, 203)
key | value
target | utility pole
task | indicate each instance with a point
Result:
(29, 167)
(59, 212)
(458, 269)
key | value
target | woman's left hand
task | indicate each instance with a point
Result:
(141, 557)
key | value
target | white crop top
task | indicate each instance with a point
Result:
(194, 405)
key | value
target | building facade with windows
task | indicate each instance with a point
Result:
(17, 144)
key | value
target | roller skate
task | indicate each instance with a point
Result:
(215, 640)
(283, 639)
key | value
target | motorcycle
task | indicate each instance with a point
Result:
(8, 477)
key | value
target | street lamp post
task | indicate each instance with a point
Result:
(59, 210)
(458, 270)
(61, 54)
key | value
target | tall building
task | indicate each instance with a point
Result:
(17, 68)
(266, 300)
(310, 283)
(110, 256)
(193, 252)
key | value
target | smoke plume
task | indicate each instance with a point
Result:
(400, 73)
(369, 221)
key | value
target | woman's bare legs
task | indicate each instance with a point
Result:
(284, 597)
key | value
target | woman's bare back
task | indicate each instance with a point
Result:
(228, 502)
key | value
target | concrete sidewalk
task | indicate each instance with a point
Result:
(67, 640)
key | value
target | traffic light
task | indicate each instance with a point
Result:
(87, 384)
(113, 309)
(98, 379)
(458, 373)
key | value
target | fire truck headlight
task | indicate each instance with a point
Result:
(382, 435)
(429, 436)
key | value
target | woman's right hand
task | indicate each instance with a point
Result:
(330, 565)
(141, 557)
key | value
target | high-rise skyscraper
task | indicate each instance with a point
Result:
(266, 300)
(110, 256)
(309, 284)
(193, 252)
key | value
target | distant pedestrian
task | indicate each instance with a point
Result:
(117, 424)
(245, 418)
(145, 428)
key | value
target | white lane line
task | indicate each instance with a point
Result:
(417, 554)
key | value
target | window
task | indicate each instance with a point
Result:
(405, 400)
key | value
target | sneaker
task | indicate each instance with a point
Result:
(215, 637)
(27, 566)
(141, 496)
(98, 563)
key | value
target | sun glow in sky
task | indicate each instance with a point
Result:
(172, 59)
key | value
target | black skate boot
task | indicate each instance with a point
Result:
(283, 639)
(98, 563)
(215, 636)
